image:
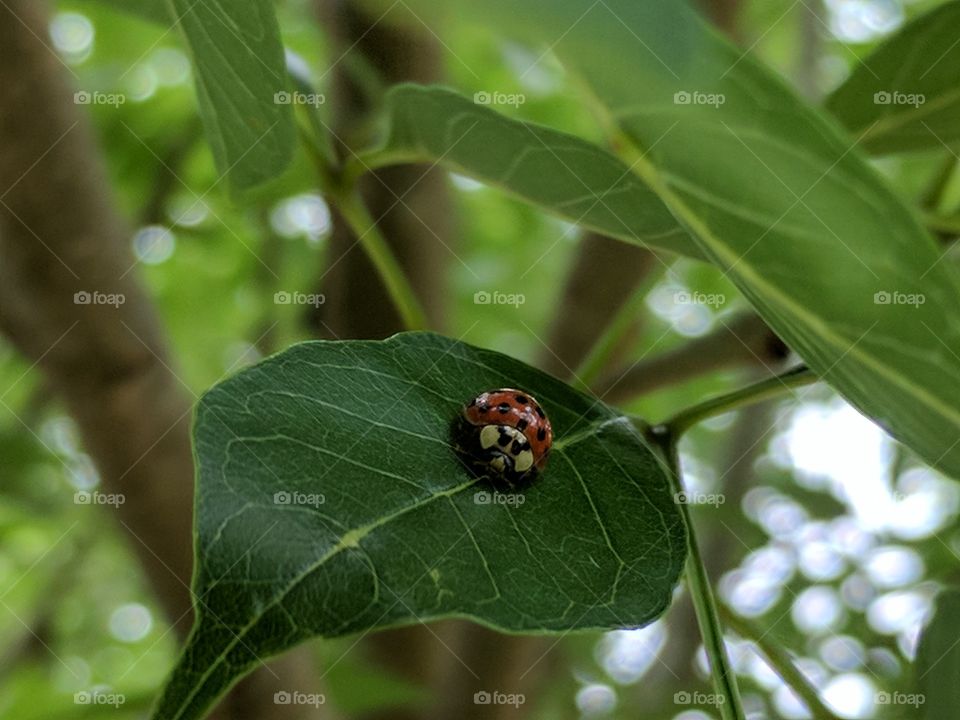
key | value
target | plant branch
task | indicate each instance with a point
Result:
(782, 664)
(762, 390)
(345, 195)
(933, 194)
(401, 292)
(110, 364)
(602, 277)
(724, 15)
(698, 582)
(616, 332)
(744, 341)
(945, 228)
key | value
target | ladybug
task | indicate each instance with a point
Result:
(505, 434)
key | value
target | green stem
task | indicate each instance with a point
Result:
(698, 583)
(934, 193)
(781, 662)
(355, 214)
(603, 349)
(685, 419)
(323, 165)
(315, 135)
(356, 166)
(943, 225)
(346, 197)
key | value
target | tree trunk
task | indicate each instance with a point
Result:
(602, 278)
(410, 203)
(60, 237)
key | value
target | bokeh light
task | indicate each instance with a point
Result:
(131, 622)
(72, 35)
(305, 216)
(596, 700)
(153, 244)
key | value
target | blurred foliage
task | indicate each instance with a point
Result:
(70, 576)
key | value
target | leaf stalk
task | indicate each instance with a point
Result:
(698, 583)
(762, 390)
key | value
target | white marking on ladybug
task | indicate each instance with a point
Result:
(489, 435)
(512, 442)
(524, 461)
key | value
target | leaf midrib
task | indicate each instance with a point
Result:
(894, 121)
(376, 160)
(350, 539)
(651, 175)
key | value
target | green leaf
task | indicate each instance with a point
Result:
(906, 94)
(400, 537)
(937, 669)
(239, 69)
(779, 199)
(561, 173)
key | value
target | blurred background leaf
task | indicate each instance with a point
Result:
(905, 95)
(831, 535)
(242, 86)
(883, 336)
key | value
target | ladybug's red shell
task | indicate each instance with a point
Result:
(511, 433)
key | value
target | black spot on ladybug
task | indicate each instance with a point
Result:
(504, 408)
(517, 447)
(522, 425)
(482, 408)
(541, 434)
(540, 412)
(522, 399)
(504, 439)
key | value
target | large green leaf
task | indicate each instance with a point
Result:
(937, 670)
(400, 536)
(779, 199)
(561, 173)
(906, 94)
(239, 68)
